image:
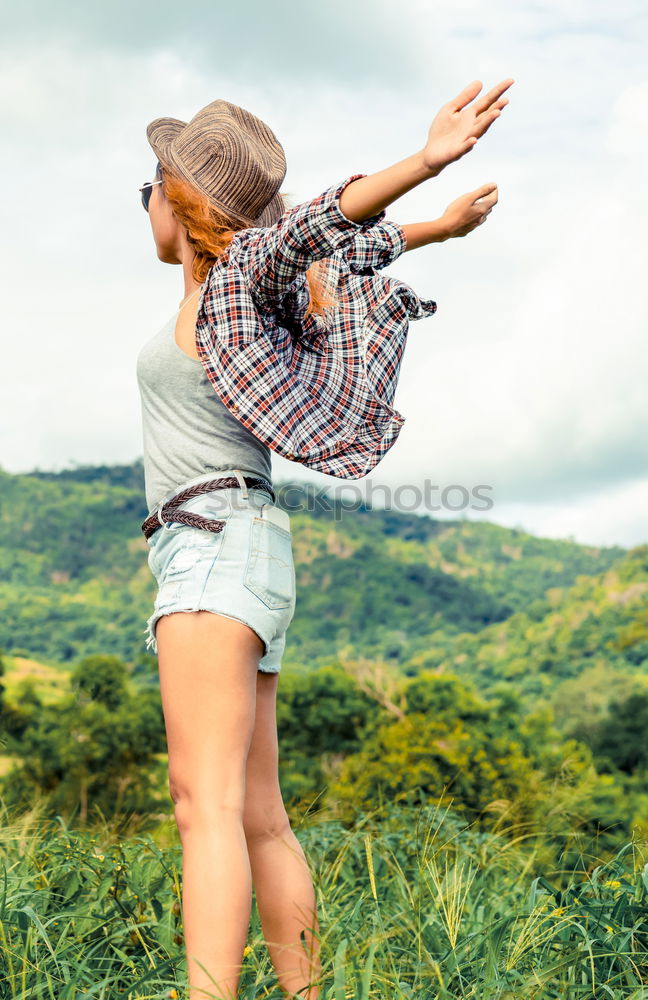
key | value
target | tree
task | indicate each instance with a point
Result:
(95, 747)
(620, 740)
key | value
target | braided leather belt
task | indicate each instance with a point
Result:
(171, 510)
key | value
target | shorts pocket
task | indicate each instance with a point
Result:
(269, 572)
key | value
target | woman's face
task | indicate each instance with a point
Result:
(166, 230)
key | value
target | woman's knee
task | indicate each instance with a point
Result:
(200, 810)
(197, 793)
(264, 819)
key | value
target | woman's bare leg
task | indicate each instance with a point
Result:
(220, 718)
(282, 880)
(208, 667)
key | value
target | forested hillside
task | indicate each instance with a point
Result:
(74, 579)
(503, 654)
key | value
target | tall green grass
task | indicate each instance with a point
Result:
(413, 903)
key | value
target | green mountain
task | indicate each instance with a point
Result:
(409, 589)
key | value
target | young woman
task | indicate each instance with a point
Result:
(255, 274)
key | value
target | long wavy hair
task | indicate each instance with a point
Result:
(210, 232)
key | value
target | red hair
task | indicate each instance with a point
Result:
(210, 232)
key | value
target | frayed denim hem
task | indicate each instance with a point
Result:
(151, 641)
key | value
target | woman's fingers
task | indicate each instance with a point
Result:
(492, 96)
(493, 111)
(486, 194)
(485, 122)
(465, 96)
(486, 110)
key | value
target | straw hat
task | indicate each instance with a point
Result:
(230, 155)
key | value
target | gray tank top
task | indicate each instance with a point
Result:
(187, 430)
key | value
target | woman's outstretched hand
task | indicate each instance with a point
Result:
(468, 211)
(458, 125)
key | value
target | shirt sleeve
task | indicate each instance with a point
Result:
(271, 257)
(375, 248)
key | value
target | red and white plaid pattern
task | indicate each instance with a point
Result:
(317, 390)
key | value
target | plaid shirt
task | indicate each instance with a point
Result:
(317, 390)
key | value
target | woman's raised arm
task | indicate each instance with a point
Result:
(453, 133)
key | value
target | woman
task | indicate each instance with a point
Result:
(220, 545)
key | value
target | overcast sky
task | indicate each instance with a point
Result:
(530, 378)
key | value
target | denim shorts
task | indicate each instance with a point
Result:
(245, 571)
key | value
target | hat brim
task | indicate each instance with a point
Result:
(161, 133)
(272, 212)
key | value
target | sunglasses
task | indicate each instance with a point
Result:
(146, 189)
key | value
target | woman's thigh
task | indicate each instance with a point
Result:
(208, 667)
